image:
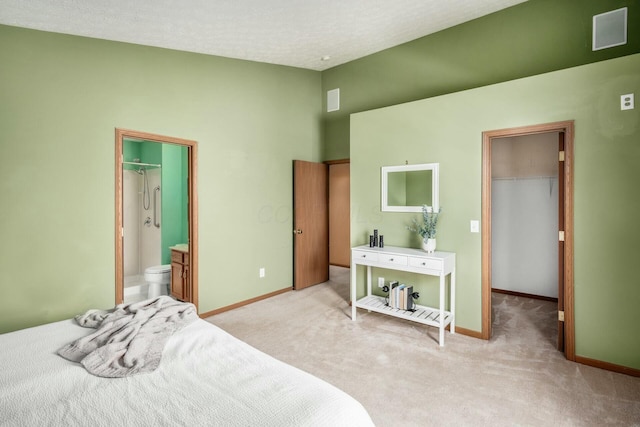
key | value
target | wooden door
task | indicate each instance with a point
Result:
(186, 284)
(561, 231)
(310, 224)
(339, 214)
(176, 281)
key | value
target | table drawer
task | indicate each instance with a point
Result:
(366, 256)
(393, 259)
(431, 264)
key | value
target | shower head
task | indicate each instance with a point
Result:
(140, 170)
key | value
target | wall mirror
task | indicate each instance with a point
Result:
(407, 188)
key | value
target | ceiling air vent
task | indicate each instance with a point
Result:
(610, 29)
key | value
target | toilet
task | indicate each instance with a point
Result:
(158, 278)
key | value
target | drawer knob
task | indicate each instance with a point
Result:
(424, 263)
(390, 259)
(364, 256)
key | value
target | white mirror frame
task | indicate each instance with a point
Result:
(433, 167)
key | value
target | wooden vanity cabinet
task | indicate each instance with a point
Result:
(180, 285)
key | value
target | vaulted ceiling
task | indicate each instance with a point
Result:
(312, 34)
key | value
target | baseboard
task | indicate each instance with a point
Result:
(243, 303)
(340, 265)
(608, 366)
(579, 359)
(468, 332)
(523, 294)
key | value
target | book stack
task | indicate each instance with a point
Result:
(401, 296)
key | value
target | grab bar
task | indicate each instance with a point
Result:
(155, 206)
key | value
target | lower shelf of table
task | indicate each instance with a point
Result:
(425, 315)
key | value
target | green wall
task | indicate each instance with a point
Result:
(448, 130)
(62, 98)
(530, 38)
(151, 152)
(130, 152)
(175, 221)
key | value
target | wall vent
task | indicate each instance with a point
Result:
(333, 100)
(610, 29)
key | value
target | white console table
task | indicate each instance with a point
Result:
(406, 259)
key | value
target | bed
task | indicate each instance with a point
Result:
(206, 377)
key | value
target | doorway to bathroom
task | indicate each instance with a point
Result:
(156, 212)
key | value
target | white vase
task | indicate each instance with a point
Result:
(429, 245)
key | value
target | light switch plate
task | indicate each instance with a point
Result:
(475, 226)
(626, 102)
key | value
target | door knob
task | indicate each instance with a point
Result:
(297, 231)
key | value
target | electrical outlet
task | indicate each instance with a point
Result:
(262, 272)
(380, 282)
(626, 102)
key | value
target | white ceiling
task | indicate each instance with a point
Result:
(297, 33)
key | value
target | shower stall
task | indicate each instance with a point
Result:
(142, 202)
(154, 211)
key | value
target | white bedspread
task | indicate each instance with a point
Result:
(206, 378)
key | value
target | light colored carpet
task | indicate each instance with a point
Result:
(398, 372)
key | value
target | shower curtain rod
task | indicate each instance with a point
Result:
(141, 164)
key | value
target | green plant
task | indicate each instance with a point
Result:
(426, 229)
